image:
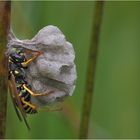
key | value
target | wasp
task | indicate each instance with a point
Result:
(20, 89)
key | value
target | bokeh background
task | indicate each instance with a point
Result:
(116, 100)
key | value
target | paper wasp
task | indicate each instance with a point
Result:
(20, 89)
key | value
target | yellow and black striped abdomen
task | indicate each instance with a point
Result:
(28, 109)
(23, 94)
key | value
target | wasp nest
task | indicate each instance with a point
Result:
(54, 70)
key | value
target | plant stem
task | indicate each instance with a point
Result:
(5, 10)
(87, 103)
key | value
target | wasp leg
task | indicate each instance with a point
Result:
(29, 104)
(48, 109)
(36, 94)
(26, 63)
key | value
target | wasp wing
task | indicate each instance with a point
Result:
(13, 100)
(17, 99)
(11, 90)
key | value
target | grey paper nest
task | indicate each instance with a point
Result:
(54, 69)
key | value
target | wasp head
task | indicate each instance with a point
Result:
(17, 55)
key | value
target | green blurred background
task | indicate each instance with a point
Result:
(116, 105)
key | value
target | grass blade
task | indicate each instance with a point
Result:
(87, 103)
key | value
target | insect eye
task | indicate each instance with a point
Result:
(18, 51)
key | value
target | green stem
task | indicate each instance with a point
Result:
(87, 103)
(5, 9)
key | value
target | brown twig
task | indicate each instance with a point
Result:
(5, 10)
(87, 103)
